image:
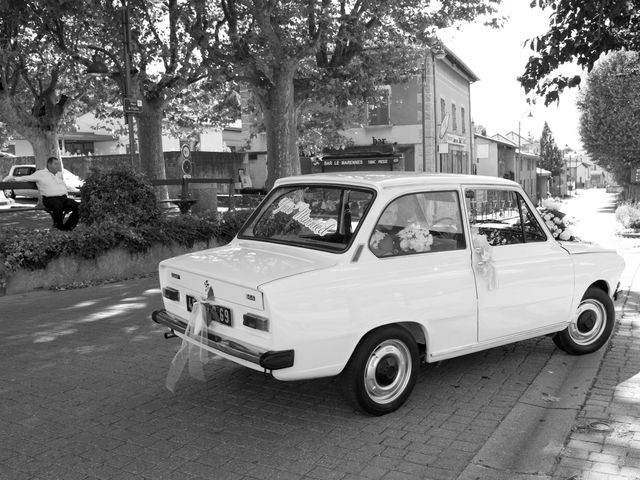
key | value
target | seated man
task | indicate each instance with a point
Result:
(54, 194)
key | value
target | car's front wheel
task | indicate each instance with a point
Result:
(382, 371)
(591, 326)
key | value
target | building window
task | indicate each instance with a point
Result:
(454, 119)
(443, 109)
(77, 147)
(378, 108)
(463, 121)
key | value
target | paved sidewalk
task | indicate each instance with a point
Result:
(604, 443)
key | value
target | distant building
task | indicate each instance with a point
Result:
(497, 156)
(86, 138)
(403, 132)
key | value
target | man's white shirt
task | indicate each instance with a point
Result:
(49, 185)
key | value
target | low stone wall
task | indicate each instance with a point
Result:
(116, 265)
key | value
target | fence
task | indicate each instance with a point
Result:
(184, 202)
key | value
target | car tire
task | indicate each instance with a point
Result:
(382, 371)
(10, 194)
(592, 325)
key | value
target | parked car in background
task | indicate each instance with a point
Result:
(366, 275)
(4, 201)
(72, 181)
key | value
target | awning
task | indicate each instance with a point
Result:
(542, 172)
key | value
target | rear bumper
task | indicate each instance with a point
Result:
(270, 360)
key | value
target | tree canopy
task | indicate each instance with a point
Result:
(580, 31)
(176, 60)
(329, 52)
(610, 114)
(551, 156)
(308, 60)
(37, 83)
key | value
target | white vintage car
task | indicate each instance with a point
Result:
(365, 275)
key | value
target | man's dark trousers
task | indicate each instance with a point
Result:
(59, 206)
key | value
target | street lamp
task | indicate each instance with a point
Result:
(129, 105)
(98, 68)
(529, 115)
(568, 162)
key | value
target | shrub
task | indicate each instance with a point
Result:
(232, 222)
(122, 196)
(628, 215)
(34, 249)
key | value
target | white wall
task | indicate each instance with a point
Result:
(487, 158)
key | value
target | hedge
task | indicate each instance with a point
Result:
(22, 248)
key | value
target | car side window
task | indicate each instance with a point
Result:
(502, 217)
(23, 171)
(418, 223)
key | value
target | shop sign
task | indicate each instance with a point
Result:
(356, 162)
(455, 139)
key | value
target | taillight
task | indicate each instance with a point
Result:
(171, 294)
(255, 321)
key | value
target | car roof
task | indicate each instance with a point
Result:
(381, 180)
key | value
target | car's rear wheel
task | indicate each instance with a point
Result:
(382, 371)
(10, 194)
(592, 325)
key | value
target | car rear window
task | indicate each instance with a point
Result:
(315, 216)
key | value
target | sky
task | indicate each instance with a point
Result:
(498, 57)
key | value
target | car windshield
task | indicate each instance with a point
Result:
(316, 216)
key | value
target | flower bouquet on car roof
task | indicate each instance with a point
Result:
(556, 221)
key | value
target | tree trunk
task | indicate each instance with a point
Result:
(150, 139)
(150, 142)
(44, 145)
(280, 123)
(41, 132)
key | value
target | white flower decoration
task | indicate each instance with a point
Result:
(376, 238)
(416, 237)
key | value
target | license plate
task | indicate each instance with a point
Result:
(215, 313)
(219, 314)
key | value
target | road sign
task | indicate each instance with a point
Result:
(132, 105)
(185, 150)
(187, 167)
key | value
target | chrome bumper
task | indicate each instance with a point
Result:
(271, 360)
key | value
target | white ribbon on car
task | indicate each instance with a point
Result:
(483, 259)
(193, 355)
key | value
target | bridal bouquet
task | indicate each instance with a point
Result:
(415, 238)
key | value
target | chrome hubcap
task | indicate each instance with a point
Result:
(589, 322)
(387, 371)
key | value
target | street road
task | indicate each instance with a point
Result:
(82, 396)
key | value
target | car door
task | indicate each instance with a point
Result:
(524, 277)
(417, 270)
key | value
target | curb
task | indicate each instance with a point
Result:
(526, 444)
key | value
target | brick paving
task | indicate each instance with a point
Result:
(604, 443)
(82, 396)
